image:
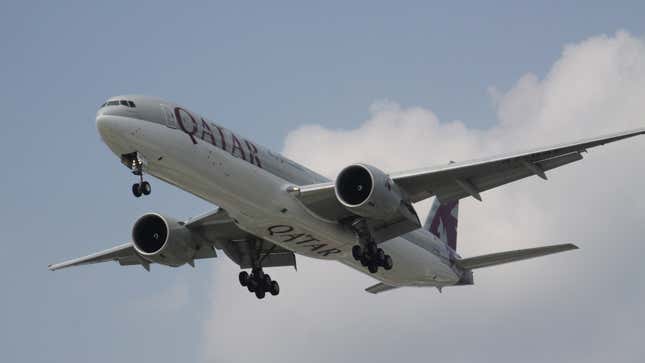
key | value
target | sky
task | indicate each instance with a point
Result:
(399, 85)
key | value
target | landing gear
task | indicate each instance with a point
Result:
(372, 257)
(135, 162)
(259, 283)
(367, 252)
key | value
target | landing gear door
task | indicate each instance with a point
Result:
(169, 116)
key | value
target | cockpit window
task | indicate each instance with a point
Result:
(126, 103)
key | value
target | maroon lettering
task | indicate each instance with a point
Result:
(317, 247)
(221, 135)
(237, 145)
(253, 153)
(329, 251)
(279, 229)
(180, 119)
(206, 130)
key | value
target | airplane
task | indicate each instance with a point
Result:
(268, 209)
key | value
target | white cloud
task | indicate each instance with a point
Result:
(579, 306)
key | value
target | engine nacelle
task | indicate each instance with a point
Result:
(368, 192)
(163, 240)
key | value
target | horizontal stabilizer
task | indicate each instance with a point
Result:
(511, 256)
(380, 287)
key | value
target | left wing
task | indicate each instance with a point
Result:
(459, 180)
(215, 230)
(123, 254)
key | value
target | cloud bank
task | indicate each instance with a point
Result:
(581, 306)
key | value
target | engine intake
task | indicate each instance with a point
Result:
(163, 240)
(368, 192)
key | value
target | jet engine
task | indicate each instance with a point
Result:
(368, 192)
(163, 240)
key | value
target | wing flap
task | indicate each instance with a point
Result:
(511, 256)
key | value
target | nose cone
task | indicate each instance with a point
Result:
(114, 131)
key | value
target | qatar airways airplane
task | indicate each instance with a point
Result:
(270, 209)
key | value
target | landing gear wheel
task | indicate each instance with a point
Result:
(244, 278)
(387, 262)
(252, 285)
(260, 293)
(267, 282)
(371, 248)
(380, 256)
(372, 267)
(146, 188)
(275, 288)
(364, 260)
(357, 252)
(136, 190)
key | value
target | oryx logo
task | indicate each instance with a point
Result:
(442, 222)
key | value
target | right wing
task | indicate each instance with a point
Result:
(458, 180)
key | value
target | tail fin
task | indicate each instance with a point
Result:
(442, 222)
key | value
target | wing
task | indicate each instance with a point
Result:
(243, 248)
(215, 230)
(124, 254)
(459, 180)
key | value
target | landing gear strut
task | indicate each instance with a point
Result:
(259, 283)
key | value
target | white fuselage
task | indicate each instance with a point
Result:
(250, 183)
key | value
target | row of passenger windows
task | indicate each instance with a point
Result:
(119, 102)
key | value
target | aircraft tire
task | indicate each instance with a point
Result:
(146, 188)
(267, 282)
(260, 293)
(136, 190)
(387, 262)
(244, 278)
(252, 285)
(372, 267)
(275, 288)
(371, 248)
(380, 256)
(357, 252)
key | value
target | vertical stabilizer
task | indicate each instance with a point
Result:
(442, 222)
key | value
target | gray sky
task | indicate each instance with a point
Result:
(327, 84)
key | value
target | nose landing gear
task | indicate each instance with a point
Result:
(135, 162)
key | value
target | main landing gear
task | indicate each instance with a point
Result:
(372, 257)
(367, 252)
(259, 283)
